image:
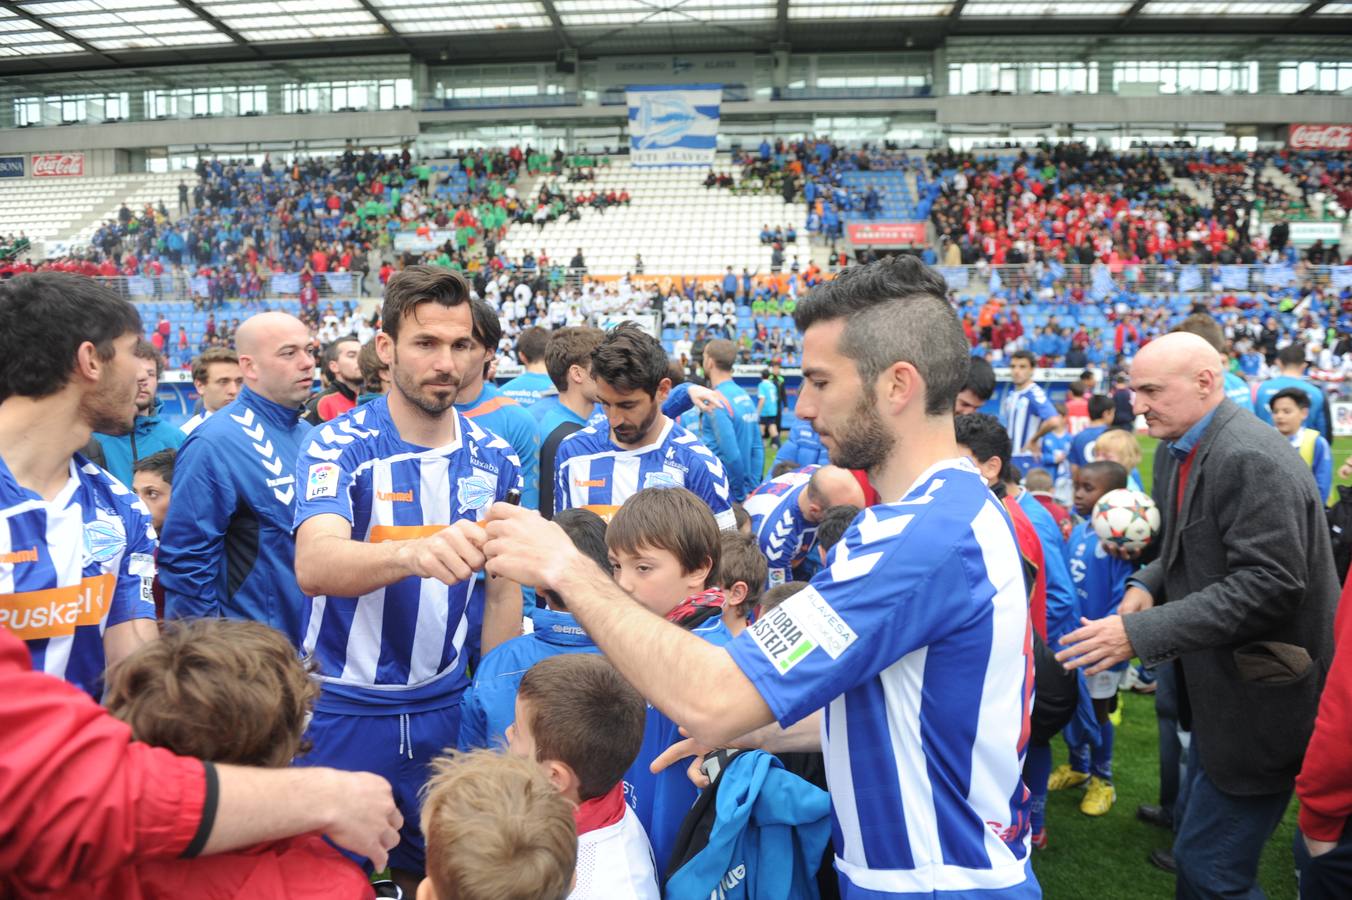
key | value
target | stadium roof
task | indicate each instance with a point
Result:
(69, 35)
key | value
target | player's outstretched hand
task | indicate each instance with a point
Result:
(364, 819)
(526, 547)
(683, 750)
(451, 555)
(707, 399)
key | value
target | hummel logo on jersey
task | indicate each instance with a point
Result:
(395, 496)
(20, 556)
(589, 482)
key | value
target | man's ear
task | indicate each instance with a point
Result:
(901, 385)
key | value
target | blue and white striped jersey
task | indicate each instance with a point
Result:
(591, 471)
(401, 645)
(916, 639)
(72, 567)
(784, 536)
(1023, 412)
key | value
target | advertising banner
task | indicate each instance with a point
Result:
(1320, 137)
(886, 234)
(11, 166)
(57, 165)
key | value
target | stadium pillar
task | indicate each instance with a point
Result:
(136, 107)
(274, 99)
(1269, 80)
(939, 78)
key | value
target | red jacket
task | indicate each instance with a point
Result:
(78, 799)
(1030, 549)
(1324, 784)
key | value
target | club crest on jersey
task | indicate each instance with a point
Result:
(104, 539)
(322, 481)
(474, 493)
(660, 480)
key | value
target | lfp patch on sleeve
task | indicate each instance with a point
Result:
(801, 624)
(322, 481)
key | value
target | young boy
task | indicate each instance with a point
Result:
(1038, 483)
(488, 705)
(152, 478)
(742, 574)
(1290, 408)
(665, 552)
(584, 724)
(229, 691)
(1100, 580)
(496, 829)
(1055, 457)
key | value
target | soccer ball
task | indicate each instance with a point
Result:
(1126, 518)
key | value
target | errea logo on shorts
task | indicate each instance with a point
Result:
(804, 622)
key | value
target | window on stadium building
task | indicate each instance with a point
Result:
(338, 96)
(1138, 78)
(70, 109)
(1314, 77)
(1023, 78)
(27, 111)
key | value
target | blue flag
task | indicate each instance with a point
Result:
(1056, 270)
(1278, 275)
(1190, 279)
(996, 283)
(1340, 277)
(286, 283)
(1102, 284)
(956, 276)
(1235, 278)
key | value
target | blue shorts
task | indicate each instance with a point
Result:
(399, 748)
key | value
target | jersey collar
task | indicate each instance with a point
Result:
(274, 413)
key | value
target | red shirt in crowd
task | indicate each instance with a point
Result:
(1324, 784)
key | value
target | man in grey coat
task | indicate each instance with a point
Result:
(1240, 600)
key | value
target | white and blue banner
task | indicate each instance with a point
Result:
(1190, 279)
(1340, 277)
(671, 125)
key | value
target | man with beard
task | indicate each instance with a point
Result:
(386, 545)
(906, 659)
(149, 434)
(77, 550)
(599, 467)
(227, 547)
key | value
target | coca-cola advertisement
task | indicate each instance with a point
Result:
(57, 165)
(1320, 137)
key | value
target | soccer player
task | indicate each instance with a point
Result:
(217, 379)
(227, 547)
(922, 609)
(767, 407)
(534, 384)
(1026, 412)
(1100, 582)
(481, 400)
(1291, 359)
(1290, 408)
(77, 550)
(567, 360)
(149, 433)
(785, 512)
(599, 468)
(732, 434)
(385, 546)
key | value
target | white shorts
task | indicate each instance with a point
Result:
(1103, 686)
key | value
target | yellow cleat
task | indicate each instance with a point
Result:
(1065, 777)
(1099, 797)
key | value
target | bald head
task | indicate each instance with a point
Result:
(1177, 380)
(830, 486)
(274, 357)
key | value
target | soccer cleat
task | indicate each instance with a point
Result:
(1116, 716)
(1098, 798)
(1066, 777)
(1039, 839)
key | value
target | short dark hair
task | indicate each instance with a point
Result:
(740, 515)
(1291, 355)
(983, 435)
(146, 350)
(570, 347)
(44, 318)
(741, 560)
(487, 327)
(371, 365)
(420, 284)
(630, 359)
(778, 594)
(980, 378)
(584, 714)
(896, 310)
(587, 531)
(1113, 474)
(330, 355)
(671, 519)
(1037, 479)
(161, 463)
(784, 467)
(1025, 355)
(530, 345)
(1100, 405)
(201, 365)
(1294, 394)
(835, 522)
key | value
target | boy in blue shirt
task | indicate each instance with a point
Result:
(1055, 449)
(1100, 581)
(1290, 408)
